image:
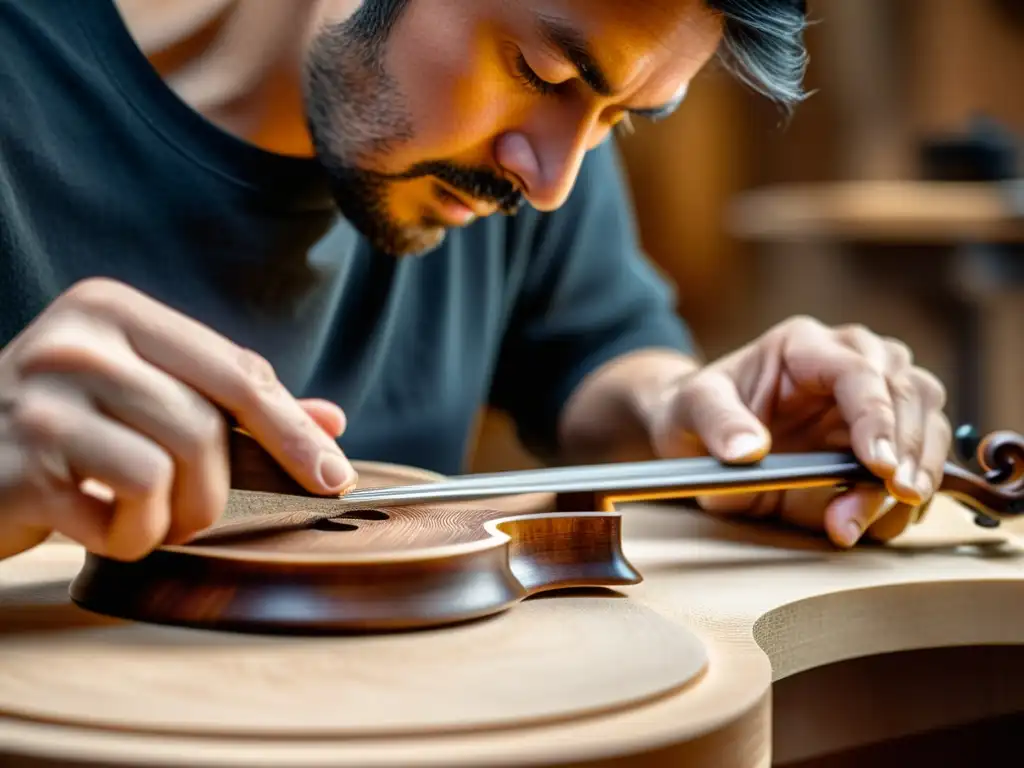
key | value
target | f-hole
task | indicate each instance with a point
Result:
(338, 525)
(334, 526)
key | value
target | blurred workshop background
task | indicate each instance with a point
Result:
(889, 199)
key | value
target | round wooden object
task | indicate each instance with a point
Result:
(547, 660)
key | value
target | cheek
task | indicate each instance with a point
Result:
(455, 84)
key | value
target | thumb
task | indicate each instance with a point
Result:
(708, 408)
(329, 416)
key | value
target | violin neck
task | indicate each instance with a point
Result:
(997, 491)
(254, 469)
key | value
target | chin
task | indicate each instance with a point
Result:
(366, 207)
(401, 238)
(416, 241)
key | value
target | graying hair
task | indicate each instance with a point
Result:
(763, 43)
(763, 46)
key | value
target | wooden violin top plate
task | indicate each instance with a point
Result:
(762, 603)
(392, 533)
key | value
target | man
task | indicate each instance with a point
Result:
(160, 270)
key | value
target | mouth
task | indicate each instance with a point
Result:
(461, 210)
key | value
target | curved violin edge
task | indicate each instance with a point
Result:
(528, 554)
(998, 490)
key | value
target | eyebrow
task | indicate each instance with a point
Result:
(571, 45)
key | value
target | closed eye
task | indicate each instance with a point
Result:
(656, 114)
(531, 79)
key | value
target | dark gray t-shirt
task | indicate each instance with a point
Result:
(105, 172)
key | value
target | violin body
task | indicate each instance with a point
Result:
(398, 568)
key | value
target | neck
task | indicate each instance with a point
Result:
(236, 62)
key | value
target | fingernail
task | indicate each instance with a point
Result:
(335, 471)
(742, 446)
(923, 484)
(849, 533)
(884, 452)
(905, 475)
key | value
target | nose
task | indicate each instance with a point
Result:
(546, 163)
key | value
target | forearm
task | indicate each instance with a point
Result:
(607, 418)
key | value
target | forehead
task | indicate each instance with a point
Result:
(640, 41)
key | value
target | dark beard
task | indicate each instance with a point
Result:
(355, 111)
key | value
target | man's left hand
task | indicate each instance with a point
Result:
(803, 386)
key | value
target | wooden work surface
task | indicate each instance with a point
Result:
(677, 670)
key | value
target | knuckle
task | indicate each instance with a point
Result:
(699, 382)
(36, 417)
(97, 292)
(877, 415)
(801, 324)
(855, 331)
(900, 353)
(902, 388)
(697, 396)
(259, 379)
(929, 386)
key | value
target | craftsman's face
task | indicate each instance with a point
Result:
(465, 109)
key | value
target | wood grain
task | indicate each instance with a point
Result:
(87, 671)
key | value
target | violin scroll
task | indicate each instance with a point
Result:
(992, 482)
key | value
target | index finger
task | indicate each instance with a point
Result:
(234, 378)
(821, 365)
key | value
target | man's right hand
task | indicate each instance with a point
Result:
(109, 387)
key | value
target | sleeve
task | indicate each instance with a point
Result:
(587, 295)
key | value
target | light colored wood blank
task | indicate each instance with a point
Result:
(764, 603)
(552, 660)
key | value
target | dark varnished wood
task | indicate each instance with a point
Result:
(419, 567)
(403, 567)
(284, 560)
